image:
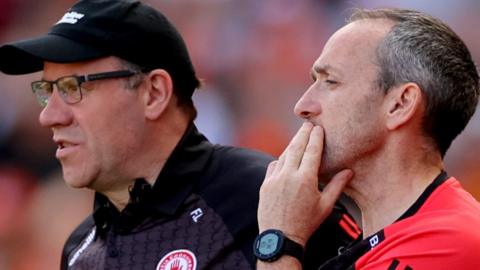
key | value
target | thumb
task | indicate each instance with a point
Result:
(334, 188)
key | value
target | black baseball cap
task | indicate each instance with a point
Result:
(92, 29)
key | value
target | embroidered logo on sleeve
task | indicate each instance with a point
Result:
(196, 214)
(71, 17)
(180, 259)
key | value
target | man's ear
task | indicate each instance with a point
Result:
(403, 104)
(159, 90)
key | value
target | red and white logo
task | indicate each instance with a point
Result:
(180, 259)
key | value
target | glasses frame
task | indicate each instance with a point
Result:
(80, 79)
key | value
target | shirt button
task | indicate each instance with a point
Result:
(113, 253)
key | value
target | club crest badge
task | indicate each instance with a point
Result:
(180, 259)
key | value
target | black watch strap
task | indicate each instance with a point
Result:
(293, 249)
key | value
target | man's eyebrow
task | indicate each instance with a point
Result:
(324, 69)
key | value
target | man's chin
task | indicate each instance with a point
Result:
(74, 181)
(74, 184)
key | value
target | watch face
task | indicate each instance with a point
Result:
(273, 244)
(268, 244)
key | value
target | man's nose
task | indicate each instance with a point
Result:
(307, 106)
(56, 112)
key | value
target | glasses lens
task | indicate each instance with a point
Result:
(43, 91)
(69, 89)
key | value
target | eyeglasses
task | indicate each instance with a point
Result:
(70, 87)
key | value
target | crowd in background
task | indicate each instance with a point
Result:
(254, 57)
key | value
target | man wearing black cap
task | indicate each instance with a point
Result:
(116, 91)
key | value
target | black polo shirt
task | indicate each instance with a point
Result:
(199, 214)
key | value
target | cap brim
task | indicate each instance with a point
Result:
(27, 56)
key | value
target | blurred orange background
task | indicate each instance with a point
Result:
(254, 57)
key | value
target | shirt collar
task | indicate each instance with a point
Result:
(177, 178)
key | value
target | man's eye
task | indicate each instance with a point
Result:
(330, 82)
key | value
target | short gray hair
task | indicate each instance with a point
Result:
(421, 49)
(134, 81)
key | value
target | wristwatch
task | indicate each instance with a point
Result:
(270, 245)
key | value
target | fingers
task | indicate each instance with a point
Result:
(289, 197)
(293, 154)
(312, 156)
(334, 188)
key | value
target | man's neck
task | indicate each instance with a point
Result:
(149, 162)
(385, 192)
(119, 198)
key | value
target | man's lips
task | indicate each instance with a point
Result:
(65, 147)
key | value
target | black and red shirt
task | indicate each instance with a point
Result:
(439, 231)
(201, 213)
